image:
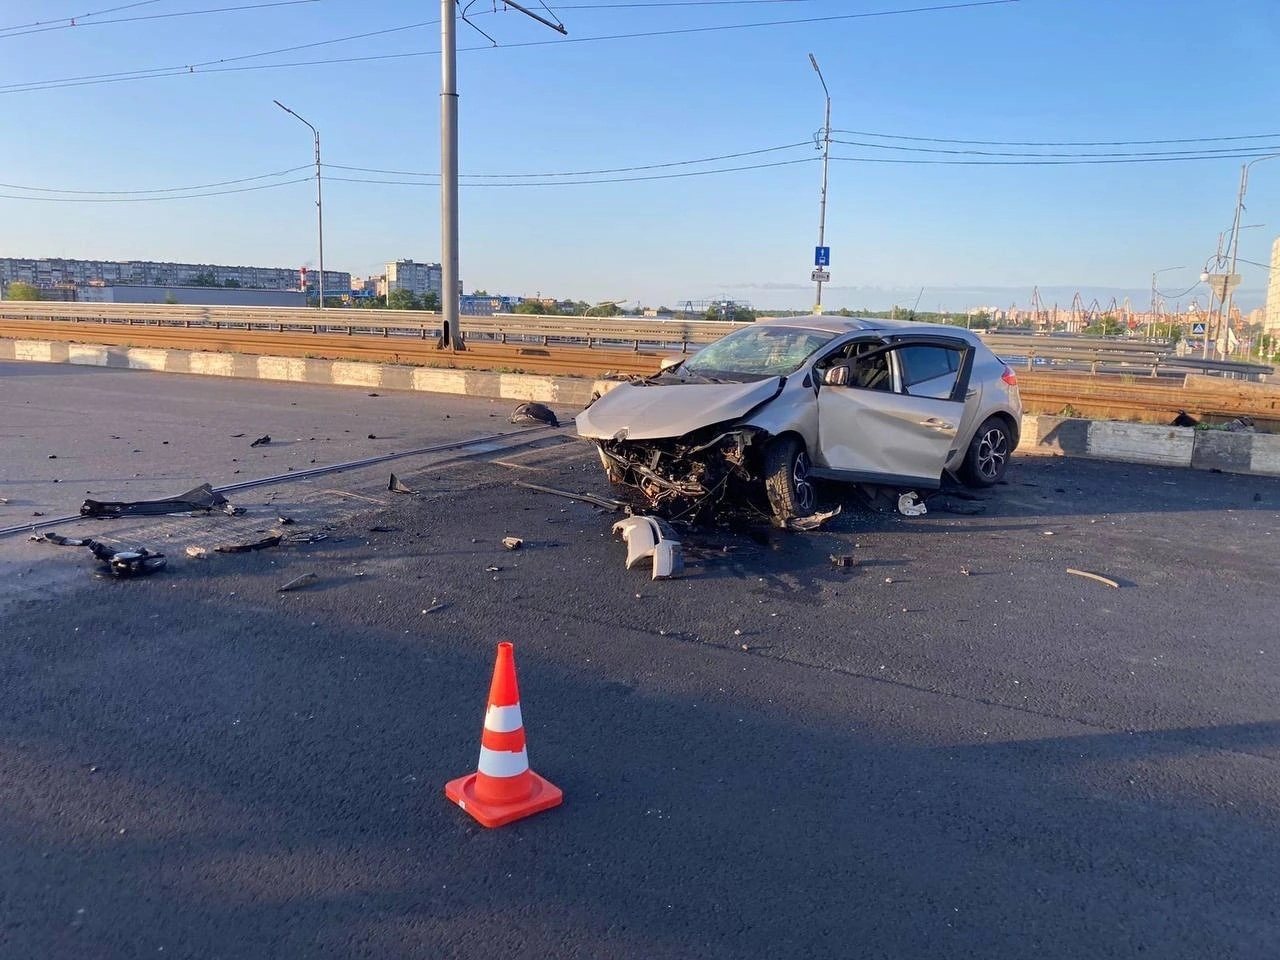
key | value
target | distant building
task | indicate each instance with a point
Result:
(49, 273)
(201, 296)
(1271, 322)
(418, 278)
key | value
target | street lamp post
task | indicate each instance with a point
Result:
(826, 157)
(1223, 338)
(319, 197)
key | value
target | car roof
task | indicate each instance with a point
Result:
(841, 325)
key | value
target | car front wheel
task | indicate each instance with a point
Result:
(989, 451)
(786, 479)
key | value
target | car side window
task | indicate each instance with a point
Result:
(929, 371)
(871, 372)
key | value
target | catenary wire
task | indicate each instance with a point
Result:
(197, 186)
(262, 5)
(82, 16)
(644, 34)
(1056, 143)
(190, 196)
(555, 183)
(1227, 151)
(576, 173)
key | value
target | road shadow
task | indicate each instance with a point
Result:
(272, 786)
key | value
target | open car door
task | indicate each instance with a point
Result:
(891, 413)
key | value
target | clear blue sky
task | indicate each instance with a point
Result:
(1036, 70)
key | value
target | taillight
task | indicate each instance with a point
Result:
(1009, 377)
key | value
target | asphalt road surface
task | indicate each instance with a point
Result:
(951, 749)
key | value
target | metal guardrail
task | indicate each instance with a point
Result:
(1074, 353)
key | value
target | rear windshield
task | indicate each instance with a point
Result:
(758, 351)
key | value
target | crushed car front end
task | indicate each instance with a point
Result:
(699, 467)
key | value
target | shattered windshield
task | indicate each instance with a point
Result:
(758, 351)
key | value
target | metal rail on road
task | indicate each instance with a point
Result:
(476, 445)
(1077, 353)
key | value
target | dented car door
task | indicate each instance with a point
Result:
(892, 416)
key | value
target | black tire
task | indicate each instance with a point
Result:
(786, 479)
(989, 453)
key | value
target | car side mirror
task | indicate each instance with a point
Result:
(836, 375)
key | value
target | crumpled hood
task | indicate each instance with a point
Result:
(639, 412)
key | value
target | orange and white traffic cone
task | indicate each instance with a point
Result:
(503, 788)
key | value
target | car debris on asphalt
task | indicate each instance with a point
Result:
(396, 485)
(201, 498)
(652, 538)
(843, 560)
(1090, 575)
(512, 543)
(262, 441)
(57, 539)
(607, 504)
(272, 540)
(909, 505)
(126, 563)
(197, 553)
(298, 582)
(812, 522)
(534, 413)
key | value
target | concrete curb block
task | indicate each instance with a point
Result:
(1252, 453)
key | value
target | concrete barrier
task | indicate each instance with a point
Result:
(1253, 453)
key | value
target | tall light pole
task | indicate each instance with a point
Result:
(319, 197)
(451, 334)
(826, 157)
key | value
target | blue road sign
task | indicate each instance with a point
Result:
(822, 256)
(1197, 329)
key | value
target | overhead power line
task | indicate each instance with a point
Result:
(564, 183)
(198, 186)
(189, 196)
(1224, 151)
(155, 16)
(578, 173)
(82, 16)
(157, 72)
(1047, 163)
(1057, 143)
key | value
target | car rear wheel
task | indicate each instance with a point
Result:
(989, 451)
(786, 479)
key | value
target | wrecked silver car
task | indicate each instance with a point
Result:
(780, 403)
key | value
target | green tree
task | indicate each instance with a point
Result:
(205, 279)
(170, 299)
(402, 300)
(479, 293)
(1106, 326)
(431, 301)
(22, 291)
(233, 282)
(530, 307)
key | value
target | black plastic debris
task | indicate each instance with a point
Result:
(396, 485)
(262, 544)
(1184, 419)
(534, 413)
(261, 441)
(202, 497)
(126, 563)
